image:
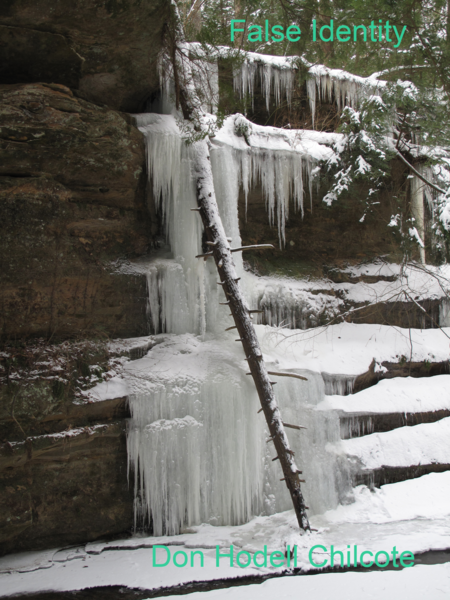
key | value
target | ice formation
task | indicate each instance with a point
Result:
(281, 162)
(417, 209)
(346, 89)
(196, 444)
(195, 441)
(177, 286)
(199, 447)
(276, 75)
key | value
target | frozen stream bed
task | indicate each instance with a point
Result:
(406, 515)
(190, 397)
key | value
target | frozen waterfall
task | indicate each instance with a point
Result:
(196, 445)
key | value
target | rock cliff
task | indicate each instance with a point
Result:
(106, 50)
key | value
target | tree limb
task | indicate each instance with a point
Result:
(419, 175)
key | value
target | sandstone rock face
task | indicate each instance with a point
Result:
(72, 200)
(63, 458)
(324, 235)
(105, 49)
(67, 488)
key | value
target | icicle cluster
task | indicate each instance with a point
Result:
(282, 175)
(198, 449)
(276, 75)
(274, 78)
(326, 85)
(195, 442)
(417, 210)
(286, 305)
(179, 304)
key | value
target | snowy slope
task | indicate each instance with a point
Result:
(402, 394)
(422, 444)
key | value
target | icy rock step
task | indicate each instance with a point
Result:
(392, 403)
(357, 425)
(385, 475)
(400, 454)
(402, 369)
(372, 294)
(310, 310)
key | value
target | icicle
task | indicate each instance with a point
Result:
(311, 91)
(197, 448)
(328, 85)
(281, 175)
(444, 313)
(180, 284)
(199, 452)
(280, 79)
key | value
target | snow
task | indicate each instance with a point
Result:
(411, 515)
(424, 581)
(198, 451)
(305, 142)
(303, 303)
(116, 387)
(349, 349)
(204, 379)
(277, 74)
(399, 395)
(69, 433)
(424, 444)
(424, 498)
(131, 568)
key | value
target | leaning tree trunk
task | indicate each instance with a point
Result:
(221, 252)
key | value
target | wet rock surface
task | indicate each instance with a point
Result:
(63, 489)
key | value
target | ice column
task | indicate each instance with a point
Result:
(198, 447)
(195, 442)
(179, 305)
(417, 210)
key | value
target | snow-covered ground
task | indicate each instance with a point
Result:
(349, 349)
(413, 516)
(422, 582)
(343, 349)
